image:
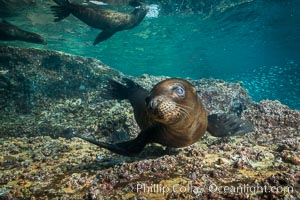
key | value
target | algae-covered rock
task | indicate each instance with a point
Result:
(29, 76)
(45, 90)
(46, 93)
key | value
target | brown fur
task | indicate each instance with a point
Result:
(182, 121)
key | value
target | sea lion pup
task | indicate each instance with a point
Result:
(109, 21)
(9, 32)
(171, 114)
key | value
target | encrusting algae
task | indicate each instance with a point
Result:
(36, 163)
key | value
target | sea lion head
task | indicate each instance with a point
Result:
(140, 12)
(171, 101)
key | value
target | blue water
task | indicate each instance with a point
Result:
(256, 43)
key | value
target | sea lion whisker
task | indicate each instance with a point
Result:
(184, 106)
(184, 112)
(183, 109)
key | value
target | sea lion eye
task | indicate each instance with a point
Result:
(180, 91)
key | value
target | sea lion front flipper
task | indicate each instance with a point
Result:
(62, 10)
(132, 91)
(104, 35)
(223, 125)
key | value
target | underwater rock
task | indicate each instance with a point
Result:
(42, 82)
(47, 92)
(44, 93)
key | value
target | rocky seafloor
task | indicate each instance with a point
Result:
(46, 93)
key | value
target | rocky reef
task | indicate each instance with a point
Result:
(46, 93)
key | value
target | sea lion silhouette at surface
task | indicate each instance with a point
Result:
(9, 32)
(171, 114)
(108, 21)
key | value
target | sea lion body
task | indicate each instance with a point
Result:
(9, 32)
(109, 21)
(106, 19)
(171, 114)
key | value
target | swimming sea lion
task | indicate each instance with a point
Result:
(10, 32)
(109, 21)
(171, 114)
